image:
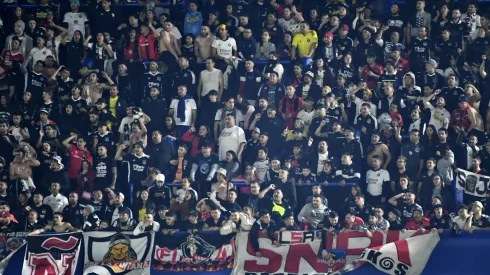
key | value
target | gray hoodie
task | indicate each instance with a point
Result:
(312, 214)
(445, 169)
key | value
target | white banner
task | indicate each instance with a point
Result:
(472, 184)
(403, 257)
(117, 253)
(303, 252)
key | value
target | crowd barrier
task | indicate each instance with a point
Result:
(453, 255)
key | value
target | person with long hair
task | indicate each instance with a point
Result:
(170, 129)
(196, 139)
(74, 52)
(85, 180)
(231, 165)
(143, 205)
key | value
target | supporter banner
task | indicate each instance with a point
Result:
(303, 253)
(472, 184)
(52, 254)
(117, 253)
(200, 252)
(403, 257)
(9, 244)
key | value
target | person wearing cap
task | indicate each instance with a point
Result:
(343, 40)
(159, 193)
(465, 118)
(204, 167)
(124, 222)
(417, 221)
(19, 32)
(329, 51)
(394, 219)
(224, 47)
(304, 43)
(252, 146)
(429, 76)
(309, 87)
(111, 213)
(90, 220)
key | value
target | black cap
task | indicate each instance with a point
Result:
(170, 214)
(100, 101)
(309, 98)
(350, 128)
(396, 212)
(193, 213)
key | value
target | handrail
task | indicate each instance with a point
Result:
(240, 183)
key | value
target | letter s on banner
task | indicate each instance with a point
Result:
(274, 264)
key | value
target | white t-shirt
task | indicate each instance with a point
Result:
(56, 203)
(230, 139)
(76, 22)
(375, 180)
(190, 105)
(39, 54)
(225, 48)
(307, 117)
(126, 121)
(210, 81)
(221, 118)
(261, 166)
(321, 160)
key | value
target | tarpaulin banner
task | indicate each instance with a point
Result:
(472, 184)
(402, 257)
(302, 252)
(117, 253)
(52, 254)
(194, 252)
(9, 244)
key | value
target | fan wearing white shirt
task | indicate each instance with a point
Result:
(184, 115)
(231, 138)
(75, 19)
(462, 217)
(40, 52)
(377, 180)
(56, 200)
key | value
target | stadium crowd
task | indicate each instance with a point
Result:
(257, 115)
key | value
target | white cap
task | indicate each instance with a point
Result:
(160, 177)
(222, 171)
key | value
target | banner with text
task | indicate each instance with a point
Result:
(9, 244)
(472, 184)
(402, 257)
(117, 253)
(303, 252)
(52, 254)
(200, 252)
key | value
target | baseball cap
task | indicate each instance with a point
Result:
(310, 73)
(396, 212)
(193, 213)
(160, 177)
(344, 27)
(462, 98)
(100, 101)
(330, 34)
(309, 98)
(120, 194)
(256, 129)
(44, 110)
(222, 171)
(89, 208)
(57, 159)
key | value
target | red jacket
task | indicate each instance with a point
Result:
(413, 225)
(356, 223)
(193, 139)
(290, 106)
(401, 66)
(148, 47)
(372, 82)
(459, 118)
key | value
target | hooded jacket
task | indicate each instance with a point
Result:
(244, 223)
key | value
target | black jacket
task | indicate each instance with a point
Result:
(257, 227)
(74, 215)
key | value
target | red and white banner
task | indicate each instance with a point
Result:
(52, 254)
(403, 257)
(303, 252)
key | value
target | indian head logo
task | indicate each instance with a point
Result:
(197, 250)
(120, 250)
